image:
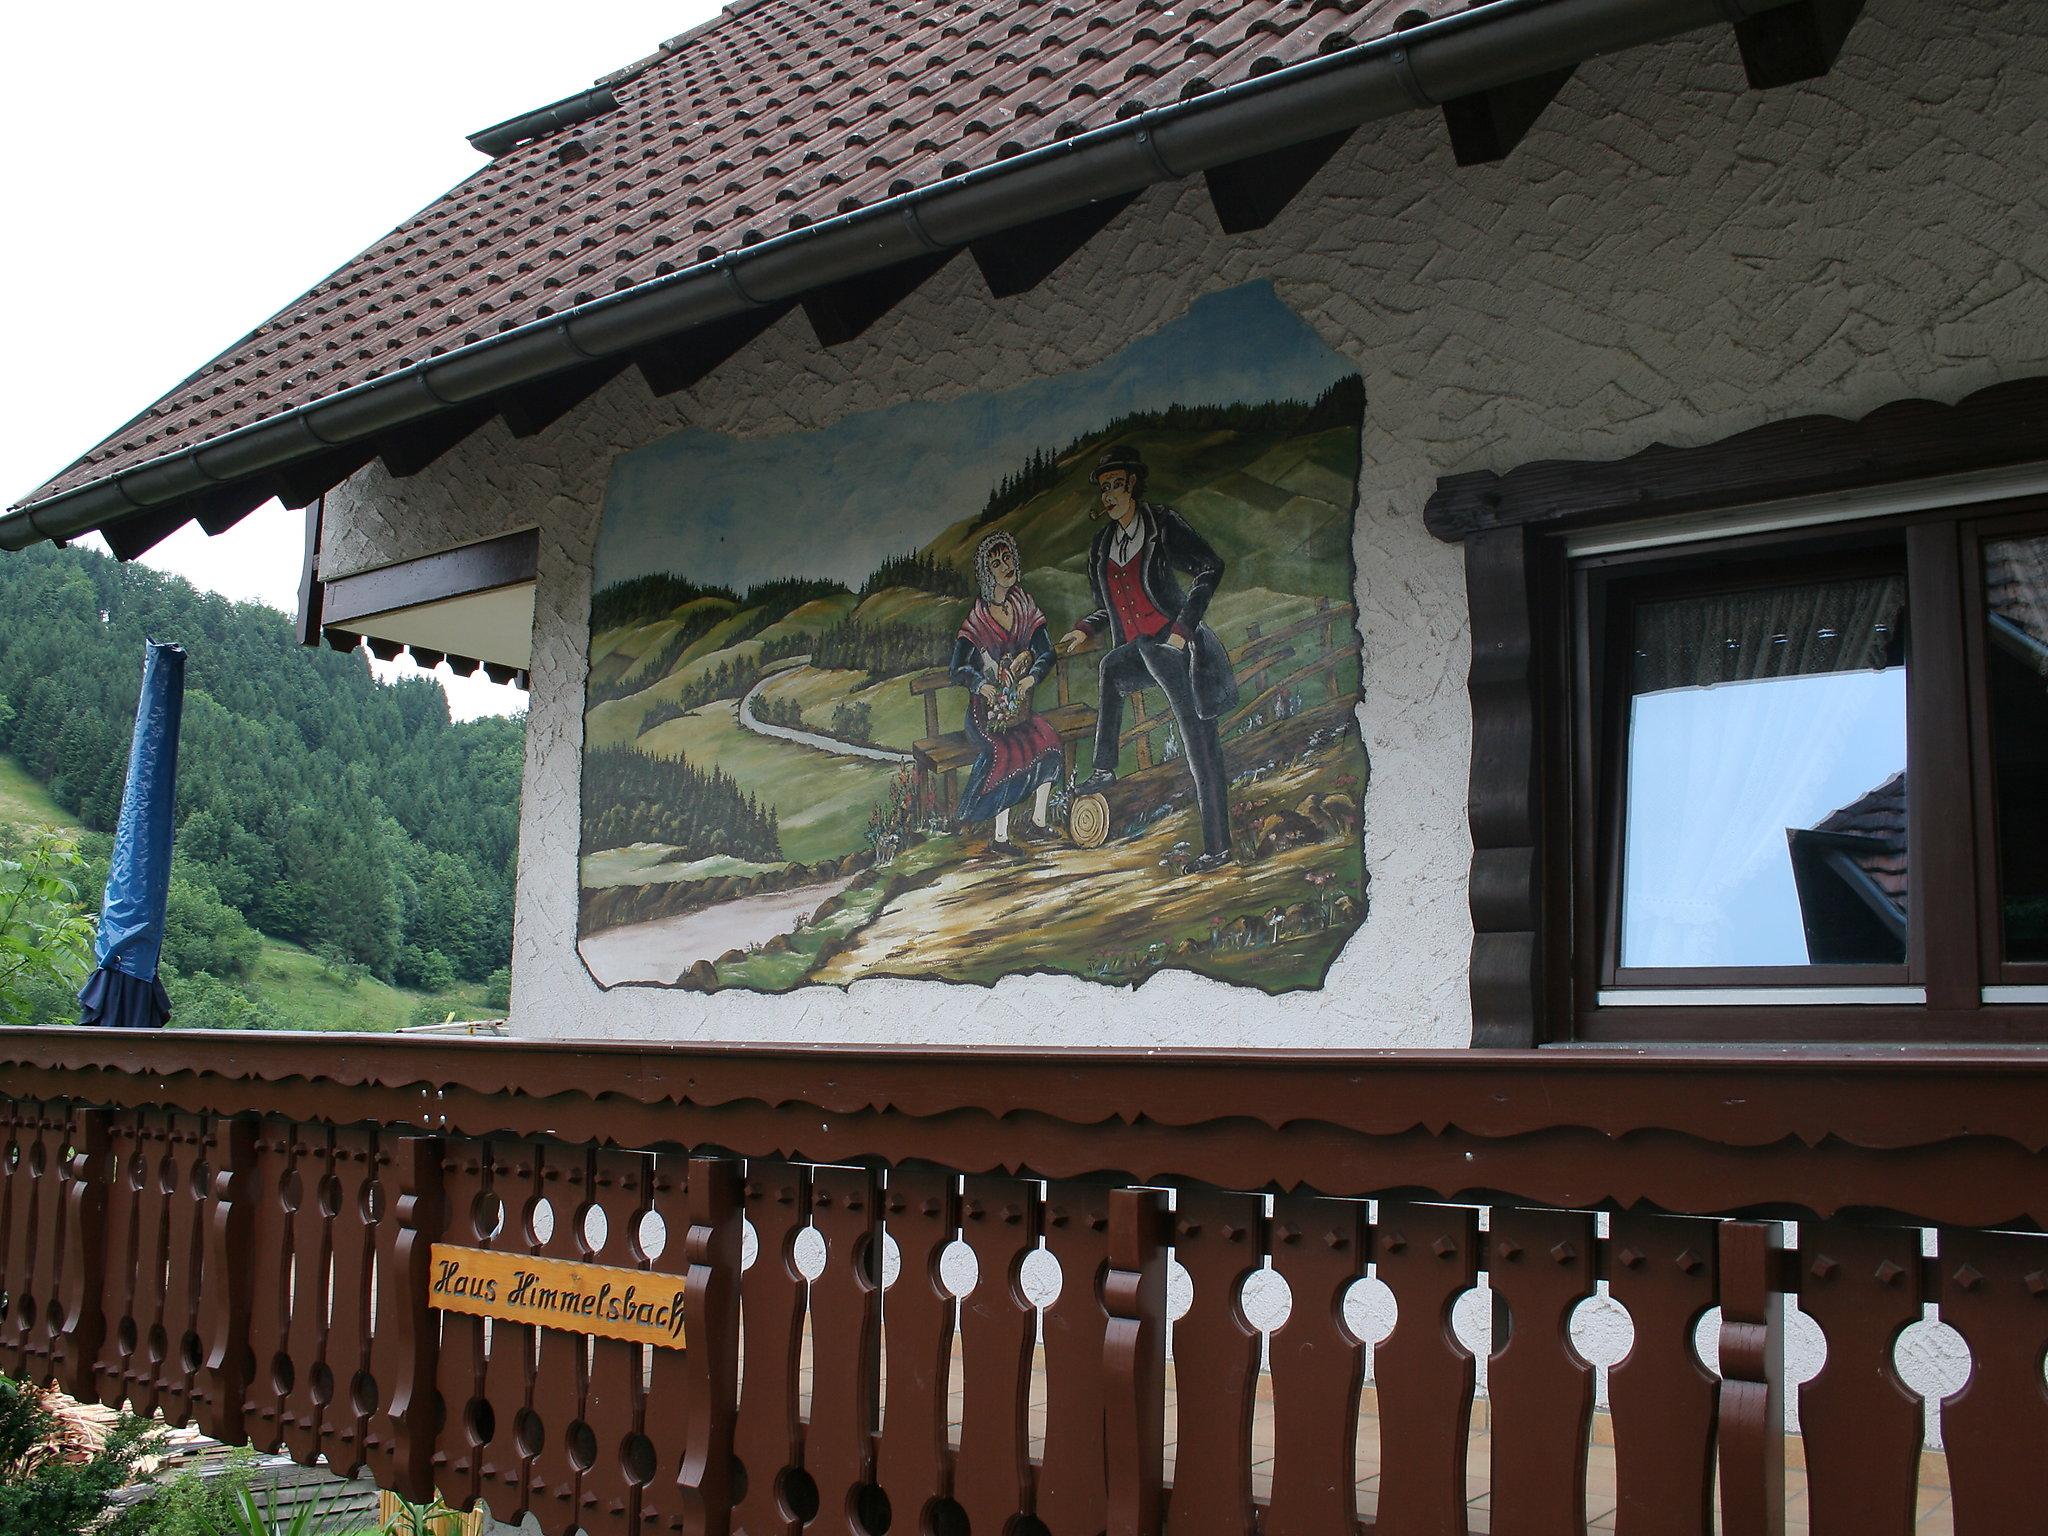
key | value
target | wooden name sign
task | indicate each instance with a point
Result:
(628, 1304)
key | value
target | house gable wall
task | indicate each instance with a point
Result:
(1669, 257)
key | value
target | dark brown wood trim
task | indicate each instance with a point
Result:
(1511, 881)
(501, 562)
(312, 595)
(2004, 425)
(1948, 1136)
(1940, 819)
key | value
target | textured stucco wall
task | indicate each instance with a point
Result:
(1669, 257)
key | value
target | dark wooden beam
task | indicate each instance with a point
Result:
(683, 361)
(139, 533)
(341, 640)
(1998, 427)
(843, 311)
(1018, 260)
(384, 650)
(540, 405)
(1795, 42)
(412, 449)
(302, 483)
(499, 673)
(483, 567)
(1487, 125)
(1249, 194)
(425, 659)
(308, 624)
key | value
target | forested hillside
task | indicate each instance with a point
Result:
(345, 815)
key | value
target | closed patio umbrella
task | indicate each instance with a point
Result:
(126, 992)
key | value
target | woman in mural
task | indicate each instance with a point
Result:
(999, 656)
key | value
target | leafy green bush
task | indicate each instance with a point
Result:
(498, 989)
(57, 1474)
(45, 934)
(204, 1001)
(188, 1504)
(204, 933)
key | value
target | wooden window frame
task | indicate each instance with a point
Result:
(1954, 942)
(1933, 472)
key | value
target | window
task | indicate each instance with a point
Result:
(1810, 784)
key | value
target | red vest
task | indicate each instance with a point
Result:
(1136, 614)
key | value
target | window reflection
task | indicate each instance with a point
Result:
(1766, 796)
(2016, 607)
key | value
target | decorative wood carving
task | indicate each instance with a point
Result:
(406, 1334)
(1859, 1424)
(1427, 1255)
(1507, 802)
(1219, 1239)
(1666, 1272)
(1750, 1421)
(1540, 1265)
(1134, 1360)
(2003, 425)
(1318, 1369)
(1994, 1292)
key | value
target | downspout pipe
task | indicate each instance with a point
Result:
(1488, 46)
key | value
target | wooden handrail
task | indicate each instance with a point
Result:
(226, 1164)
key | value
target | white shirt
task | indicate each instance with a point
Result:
(1129, 541)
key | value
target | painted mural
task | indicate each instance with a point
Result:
(1060, 677)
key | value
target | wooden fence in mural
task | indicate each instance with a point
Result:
(234, 1231)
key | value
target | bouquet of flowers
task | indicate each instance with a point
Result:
(1012, 702)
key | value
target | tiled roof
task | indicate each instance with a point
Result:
(1876, 821)
(778, 114)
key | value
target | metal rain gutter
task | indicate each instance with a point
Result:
(1489, 46)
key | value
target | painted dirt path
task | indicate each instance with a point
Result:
(802, 738)
(667, 947)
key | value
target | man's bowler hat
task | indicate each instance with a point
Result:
(1123, 456)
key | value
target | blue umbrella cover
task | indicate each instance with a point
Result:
(126, 992)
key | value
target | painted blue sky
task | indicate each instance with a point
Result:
(836, 502)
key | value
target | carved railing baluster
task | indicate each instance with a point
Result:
(769, 1438)
(505, 1462)
(609, 1495)
(1219, 1239)
(1318, 1368)
(1541, 1265)
(119, 1349)
(1134, 1360)
(459, 1366)
(152, 1244)
(561, 1374)
(226, 1271)
(47, 1254)
(846, 1342)
(1859, 1424)
(347, 1413)
(78, 1327)
(711, 1251)
(306, 1328)
(992, 1476)
(912, 1460)
(1750, 1419)
(1427, 1255)
(1994, 1292)
(1661, 1399)
(273, 1196)
(185, 1255)
(16, 1225)
(1073, 1482)
(672, 1425)
(405, 1343)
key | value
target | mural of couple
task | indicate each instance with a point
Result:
(1056, 678)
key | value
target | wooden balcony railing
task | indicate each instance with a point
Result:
(234, 1230)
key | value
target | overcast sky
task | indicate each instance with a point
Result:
(183, 172)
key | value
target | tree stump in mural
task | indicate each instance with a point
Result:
(1088, 821)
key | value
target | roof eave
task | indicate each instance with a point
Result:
(1485, 48)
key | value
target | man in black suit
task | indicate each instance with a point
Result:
(1157, 636)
